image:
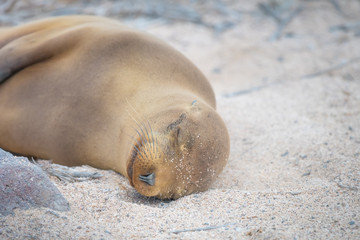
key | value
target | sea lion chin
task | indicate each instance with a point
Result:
(88, 90)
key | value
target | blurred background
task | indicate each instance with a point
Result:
(220, 15)
(240, 45)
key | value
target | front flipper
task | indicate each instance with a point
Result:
(33, 43)
(68, 174)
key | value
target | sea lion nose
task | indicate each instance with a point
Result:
(149, 179)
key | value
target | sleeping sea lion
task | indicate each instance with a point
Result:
(89, 90)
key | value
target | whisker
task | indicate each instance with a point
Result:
(139, 148)
(139, 152)
(157, 146)
(133, 118)
(147, 141)
(144, 137)
(140, 145)
(148, 136)
(153, 140)
(140, 136)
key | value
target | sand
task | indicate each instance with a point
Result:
(292, 107)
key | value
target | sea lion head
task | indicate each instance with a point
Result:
(182, 151)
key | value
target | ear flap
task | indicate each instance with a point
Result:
(174, 135)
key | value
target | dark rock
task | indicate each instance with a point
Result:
(284, 154)
(306, 174)
(24, 185)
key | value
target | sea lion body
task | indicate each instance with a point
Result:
(88, 90)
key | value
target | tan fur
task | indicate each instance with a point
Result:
(77, 89)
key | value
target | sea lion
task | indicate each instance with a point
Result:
(88, 90)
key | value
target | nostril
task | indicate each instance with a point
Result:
(149, 179)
